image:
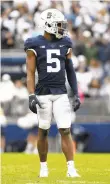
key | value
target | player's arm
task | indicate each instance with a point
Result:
(71, 76)
(31, 67)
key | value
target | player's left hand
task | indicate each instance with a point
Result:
(76, 103)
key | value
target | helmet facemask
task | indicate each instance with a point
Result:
(59, 29)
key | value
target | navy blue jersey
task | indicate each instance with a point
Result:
(50, 62)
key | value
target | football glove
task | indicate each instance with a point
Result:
(76, 103)
(33, 101)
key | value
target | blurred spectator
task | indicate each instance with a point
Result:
(90, 50)
(10, 21)
(82, 16)
(20, 90)
(74, 13)
(20, 99)
(84, 76)
(96, 69)
(103, 45)
(94, 88)
(7, 39)
(26, 31)
(6, 93)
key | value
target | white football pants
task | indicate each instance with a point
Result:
(57, 105)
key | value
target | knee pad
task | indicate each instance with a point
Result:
(65, 131)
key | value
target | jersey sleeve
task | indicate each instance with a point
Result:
(69, 44)
(29, 45)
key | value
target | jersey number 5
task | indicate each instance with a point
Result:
(51, 60)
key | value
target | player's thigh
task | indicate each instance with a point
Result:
(62, 111)
(45, 112)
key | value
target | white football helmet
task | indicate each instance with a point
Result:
(54, 22)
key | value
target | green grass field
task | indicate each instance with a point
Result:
(24, 169)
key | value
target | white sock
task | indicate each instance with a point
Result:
(70, 164)
(43, 164)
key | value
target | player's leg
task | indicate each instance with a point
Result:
(66, 143)
(67, 148)
(44, 119)
(62, 114)
(42, 144)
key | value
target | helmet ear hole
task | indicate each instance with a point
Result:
(48, 24)
(59, 24)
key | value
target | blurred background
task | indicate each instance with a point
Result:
(89, 29)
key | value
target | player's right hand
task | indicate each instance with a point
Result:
(33, 101)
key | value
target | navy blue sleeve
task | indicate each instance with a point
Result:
(68, 44)
(71, 76)
(29, 44)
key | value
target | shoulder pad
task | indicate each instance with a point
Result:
(68, 41)
(30, 43)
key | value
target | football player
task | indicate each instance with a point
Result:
(50, 55)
